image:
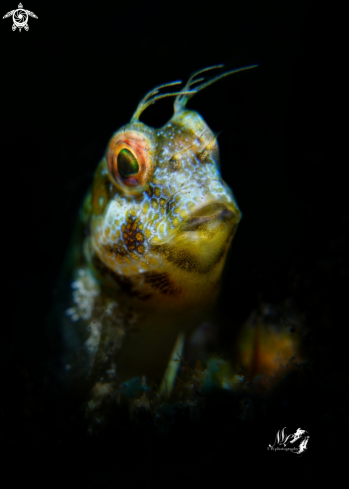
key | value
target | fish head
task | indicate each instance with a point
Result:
(162, 218)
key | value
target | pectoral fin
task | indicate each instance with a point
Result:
(169, 378)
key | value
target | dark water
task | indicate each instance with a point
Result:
(67, 84)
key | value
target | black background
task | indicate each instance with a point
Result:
(67, 84)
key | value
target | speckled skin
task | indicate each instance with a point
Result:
(149, 251)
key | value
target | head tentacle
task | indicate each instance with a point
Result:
(183, 97)
(152, 97)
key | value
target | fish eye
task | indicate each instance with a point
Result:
(129, 163)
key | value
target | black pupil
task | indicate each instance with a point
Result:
(127, 163)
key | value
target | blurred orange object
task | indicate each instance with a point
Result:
(269, 343)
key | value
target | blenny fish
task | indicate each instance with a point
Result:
(150, 245)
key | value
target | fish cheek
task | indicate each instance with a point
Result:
(187, 260)
(162, 283)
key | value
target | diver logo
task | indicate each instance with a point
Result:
(296, 443)
(20, 18)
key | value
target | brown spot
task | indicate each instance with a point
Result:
(132, 234)
(150, 191)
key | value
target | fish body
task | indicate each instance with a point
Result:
(150, 246)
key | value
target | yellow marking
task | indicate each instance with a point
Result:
(154, 203)
(157, 192)
(152, 261)
(107, 232)
(176, 222)
(147, 233)
(145, 207)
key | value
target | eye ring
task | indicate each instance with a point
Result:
(129, 161)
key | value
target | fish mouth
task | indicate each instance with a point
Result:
(211, 215)
(200, 243)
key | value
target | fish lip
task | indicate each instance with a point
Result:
(214, 211)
